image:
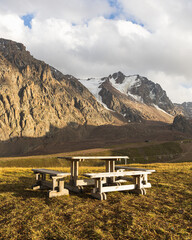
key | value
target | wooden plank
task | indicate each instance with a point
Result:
(119, 188)
(50, 172)
(94, 157)
(115, 174)
(85, 182)
(135, 169)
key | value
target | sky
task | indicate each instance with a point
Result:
(95, 38)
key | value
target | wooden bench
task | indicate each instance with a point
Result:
(134, 169)
(123, 168)
(100, 188)
(57, 184)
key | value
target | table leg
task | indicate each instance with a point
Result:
(72, 170)
(76, 172)
(107, 166)
(73, 184)
(110, 167)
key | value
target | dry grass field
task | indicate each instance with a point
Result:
(164, 213)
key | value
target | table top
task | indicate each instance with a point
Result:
(95, 158)
(115, 174)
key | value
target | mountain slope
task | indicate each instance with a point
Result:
(35, 96)
(135, 97)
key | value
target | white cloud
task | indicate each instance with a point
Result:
(77, 38)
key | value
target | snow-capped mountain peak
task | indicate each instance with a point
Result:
(132, 96)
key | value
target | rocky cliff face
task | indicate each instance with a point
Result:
(135, 97)
(35, 96)
(185, 109)
(181, 124)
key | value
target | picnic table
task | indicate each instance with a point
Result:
(75, 184)
(115, 178)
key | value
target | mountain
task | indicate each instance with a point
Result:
(135, 97)
(35, 98)
(185, 109)
(43, 111)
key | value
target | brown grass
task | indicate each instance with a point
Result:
(164, 213)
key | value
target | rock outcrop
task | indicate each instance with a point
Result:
(181, 124)
(185, 109)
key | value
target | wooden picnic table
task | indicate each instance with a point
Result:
(76, 184)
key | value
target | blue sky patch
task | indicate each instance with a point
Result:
(135, 22)
(113, 3)
(27, 20)
(118, 10)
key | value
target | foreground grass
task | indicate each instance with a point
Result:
(164, 213)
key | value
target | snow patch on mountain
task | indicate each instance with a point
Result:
(158, 108)
(93, 85)
(126, 85)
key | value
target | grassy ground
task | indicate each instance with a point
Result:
(164, 213)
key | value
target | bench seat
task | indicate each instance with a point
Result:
(57, 184)
(134, 169)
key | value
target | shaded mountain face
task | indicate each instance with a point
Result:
(181, 124)
(135, 97)
(34, 96)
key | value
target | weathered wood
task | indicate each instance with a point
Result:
(99, 190)
(119, 188)
(50, 172)
(75, 184)
(85, 182)
(133, 168)
(57, 184)
(95, 157)
(115, 174)
(58, 193)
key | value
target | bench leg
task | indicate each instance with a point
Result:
(140, 182)
(58, 188)
(97, 190)
(39, 178)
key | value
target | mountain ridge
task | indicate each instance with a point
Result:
(135, 97)
(34, 96)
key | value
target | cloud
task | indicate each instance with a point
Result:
(178, 92)
(89, 38)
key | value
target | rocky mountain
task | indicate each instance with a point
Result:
(36, 99)
(185, 109)
(135, 97)
(181, 124)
